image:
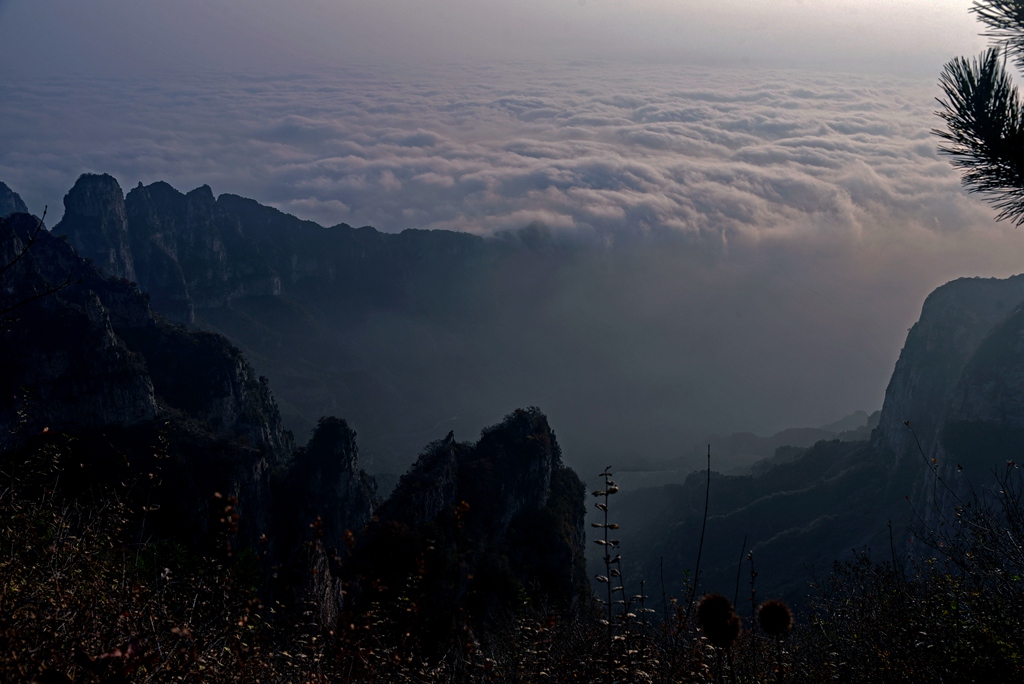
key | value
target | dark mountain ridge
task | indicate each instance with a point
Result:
(344, 320)
(297, 294)
(175, 422)
(413, 333)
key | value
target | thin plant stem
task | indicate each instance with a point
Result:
(700, 547)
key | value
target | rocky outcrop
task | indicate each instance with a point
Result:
(203, 376)
(512, 469)
(10, 202)
(478, 527)
(323, 502)
(430, 487)
(325, 487)
(96, 224)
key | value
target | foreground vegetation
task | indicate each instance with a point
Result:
(82, 599)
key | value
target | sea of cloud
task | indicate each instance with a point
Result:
(818, 204)
(706, 152)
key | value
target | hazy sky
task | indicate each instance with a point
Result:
(106, 36)
(788, 139)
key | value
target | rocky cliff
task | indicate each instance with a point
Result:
(84, 355)
(194, 251)
(983, 428)
(955, 320)
(959, 382)
(349, 321)
(96, 224)
(191, 252)
(324, 485)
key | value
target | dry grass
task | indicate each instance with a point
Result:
(80, 601)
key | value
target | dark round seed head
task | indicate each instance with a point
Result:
(716, 617)
(775, 618)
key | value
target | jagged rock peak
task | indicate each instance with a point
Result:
(508, 471)
(525, 453)
(428, 488)
(96, 223)
(333, 444)
(326, 485)
(482, 523)
(190, 253)
(10, 202)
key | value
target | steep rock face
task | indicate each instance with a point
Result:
(955, 320)
(991, 388)
(96, 224)
(92, 361)
(10, 202)
(64, 365)
(984, 427)
(478, 527)
(510, 470)
(429, 488)
(205, 377)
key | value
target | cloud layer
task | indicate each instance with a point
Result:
(813, 210)
(714, 153)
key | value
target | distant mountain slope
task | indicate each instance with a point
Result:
(797, 516)
(959, 382)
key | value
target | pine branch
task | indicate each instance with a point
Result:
(1005, 22)
(985, 130)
